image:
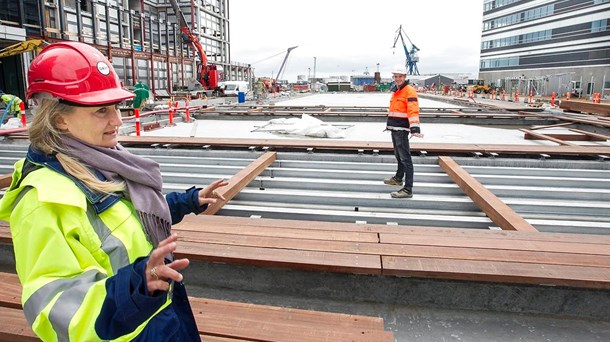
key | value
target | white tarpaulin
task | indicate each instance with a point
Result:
(307, 125)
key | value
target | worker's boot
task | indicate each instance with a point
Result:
(402, 193)
(392, 181)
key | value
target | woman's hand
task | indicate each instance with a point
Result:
(158, 274)
(209, 194)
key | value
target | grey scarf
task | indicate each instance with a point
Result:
(143, 179)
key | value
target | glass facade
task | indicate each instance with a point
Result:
(527, 34)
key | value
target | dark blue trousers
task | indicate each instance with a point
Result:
(402, 151)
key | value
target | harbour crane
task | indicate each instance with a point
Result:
(207, 74)
(412, 58)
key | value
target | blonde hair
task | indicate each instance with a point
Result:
(46, 137)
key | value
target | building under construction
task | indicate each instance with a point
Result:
(141, 38)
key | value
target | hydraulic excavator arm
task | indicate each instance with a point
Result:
(23, 47)
(207, 74)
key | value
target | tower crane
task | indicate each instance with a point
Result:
(412, 58)
(207, 74)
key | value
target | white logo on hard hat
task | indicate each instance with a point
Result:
(103, 68)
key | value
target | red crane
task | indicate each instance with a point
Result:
(207, 74)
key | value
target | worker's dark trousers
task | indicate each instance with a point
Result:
(402, 151)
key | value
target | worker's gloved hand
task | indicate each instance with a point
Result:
(418, 135)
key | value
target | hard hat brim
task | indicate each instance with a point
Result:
(102, 97)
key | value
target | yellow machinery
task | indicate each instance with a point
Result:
(481, 87)
(22, 47)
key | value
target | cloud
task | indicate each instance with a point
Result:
(349, 37)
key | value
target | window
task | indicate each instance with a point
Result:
(599, 25)
(537, 36)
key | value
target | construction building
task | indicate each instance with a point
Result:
(142, 38)
(547, 46)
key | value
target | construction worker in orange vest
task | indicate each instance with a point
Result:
(403, 119)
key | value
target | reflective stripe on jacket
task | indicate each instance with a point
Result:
(82, 271)
(403, 113)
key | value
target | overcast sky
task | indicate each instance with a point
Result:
(349, 36)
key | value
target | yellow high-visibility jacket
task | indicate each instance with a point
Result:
(81, 260)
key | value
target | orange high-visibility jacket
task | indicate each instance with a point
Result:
(403, 113)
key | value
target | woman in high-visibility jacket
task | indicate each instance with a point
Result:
(403, 118)
(89, 223)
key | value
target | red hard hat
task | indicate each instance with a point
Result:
(75, 72)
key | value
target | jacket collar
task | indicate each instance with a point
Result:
(100, 201)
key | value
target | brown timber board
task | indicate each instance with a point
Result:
(596, 135)
(563, 124)
(369, 145)
(260, 330)
(279, 257)
(228, 244)
(234, 224)
(496, 250)
(502, 272)
(240, 180)
(231, 321)
(500, 213)
(5, 180)
(535, 135)
(14, 327)
(303, 233)
(586, 107)
(565, 137)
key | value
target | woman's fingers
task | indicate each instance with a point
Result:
(172, 238)
(169, 271)
(158, 254)
(157, 273)
(219, 183)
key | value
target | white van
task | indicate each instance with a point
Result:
(232, 88)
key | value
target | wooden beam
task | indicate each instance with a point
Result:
(553, 126)
(544, 137)
(566, 137)
(500, 213)
(591, 134)
(240, 180)
(441, 148)
(5, 180)
(586, 107)
(592, 120)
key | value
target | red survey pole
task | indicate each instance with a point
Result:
(553, 99)
(175, 109)
(188, 114)
(531, 95)
(517, 95)
(22, 110)
(171, 113)
(137, 114)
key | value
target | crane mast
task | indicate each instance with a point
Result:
(284, 63)
(412, 58)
